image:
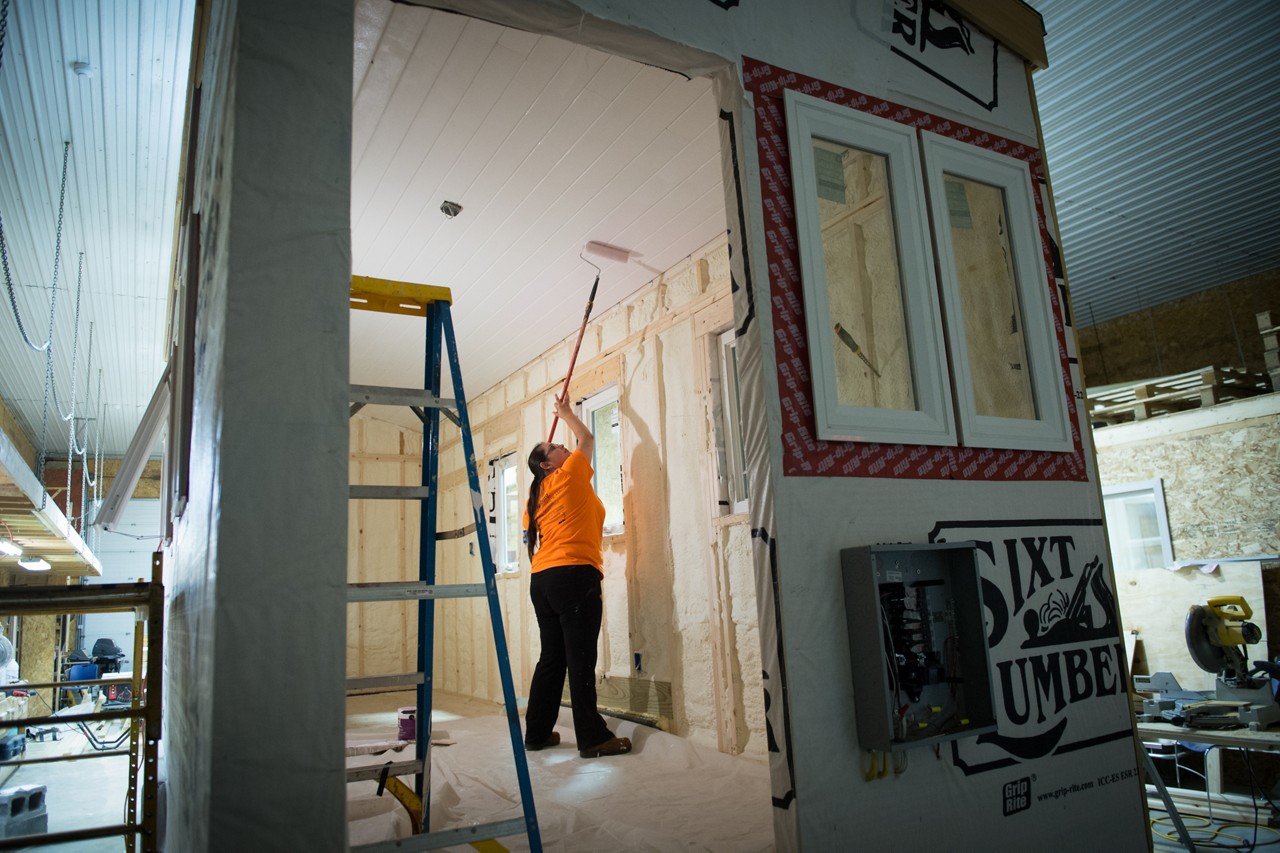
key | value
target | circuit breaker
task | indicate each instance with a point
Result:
(921, 673)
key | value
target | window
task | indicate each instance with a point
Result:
(600, 413)
(871, 303)
(881, 368)
(732, 451)
(507, 514)
(1008, 379)
(1137, 526)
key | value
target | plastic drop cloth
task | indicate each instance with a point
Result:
(667, 794)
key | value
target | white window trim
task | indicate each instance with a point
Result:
(586, 406)
(933, 421)
(1050, 430)
(731, 423)
(497, 540)
(1156, 487)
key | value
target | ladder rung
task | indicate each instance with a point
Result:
(412, 590)
(447, 838)
(404, 679)
(373, 772)
(390, 493)
(375, 395)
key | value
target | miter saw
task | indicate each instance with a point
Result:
(1217, 633)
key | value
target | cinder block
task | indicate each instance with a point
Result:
(23, 811)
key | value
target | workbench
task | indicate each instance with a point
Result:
(1231, 806)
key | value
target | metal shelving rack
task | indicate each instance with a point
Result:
(147, 601)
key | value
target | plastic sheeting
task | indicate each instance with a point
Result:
(667, 794)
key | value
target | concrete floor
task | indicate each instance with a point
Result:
(87, 792)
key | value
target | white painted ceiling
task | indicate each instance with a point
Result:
(1157, 127)
(547, 145)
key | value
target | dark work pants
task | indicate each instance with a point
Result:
(567, 602)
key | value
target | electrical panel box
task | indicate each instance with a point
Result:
(917, 643)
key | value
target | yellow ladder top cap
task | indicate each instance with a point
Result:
(395, 297)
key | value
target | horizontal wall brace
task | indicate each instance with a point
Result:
(390, 493)
(405, 679)
(411, 590)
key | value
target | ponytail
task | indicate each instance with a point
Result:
(536, 457)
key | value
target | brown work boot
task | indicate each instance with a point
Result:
(554, 740)
(613, 746)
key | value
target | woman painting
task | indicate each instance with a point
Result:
(565, 523)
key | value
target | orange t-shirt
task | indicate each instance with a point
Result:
(570, 518)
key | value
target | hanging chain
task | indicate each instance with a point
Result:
(57, 257)
(96, 482)
(4, 27)
(71, 429)
(88, 371)
(48, 392)
(75, 350)
(47, 346)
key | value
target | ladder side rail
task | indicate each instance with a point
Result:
(428, 510)
(495, 610)
(152, 729)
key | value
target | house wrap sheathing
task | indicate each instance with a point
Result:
(254, 603)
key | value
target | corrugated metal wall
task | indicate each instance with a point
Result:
(1160, 123)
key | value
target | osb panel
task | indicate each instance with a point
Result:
(38, 653)
(10, 427)
(1215, 327)
(1221, 486)
(1154, 602)
(148, 484)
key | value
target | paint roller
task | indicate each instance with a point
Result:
(605, 252)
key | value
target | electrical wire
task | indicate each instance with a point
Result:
(1210, 833)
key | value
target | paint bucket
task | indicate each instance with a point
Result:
(408, 720)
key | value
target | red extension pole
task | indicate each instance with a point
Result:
(586, 315)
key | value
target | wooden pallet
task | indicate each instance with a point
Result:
(1194, 389)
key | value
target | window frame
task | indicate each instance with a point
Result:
(932, 422)
(1136, 487)
(586, 407)
(504, 463)
(1050, 429)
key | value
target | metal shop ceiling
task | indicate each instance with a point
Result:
(1159, 120)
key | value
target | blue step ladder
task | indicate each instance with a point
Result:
(432, 304)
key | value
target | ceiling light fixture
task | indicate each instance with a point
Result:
(35, 564)
(10, 549)
(450, 209)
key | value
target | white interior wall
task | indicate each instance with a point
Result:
(679, 587)
(256, 588)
